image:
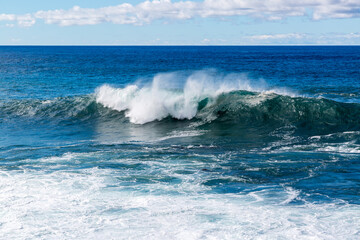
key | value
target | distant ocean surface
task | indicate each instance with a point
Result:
(180, 142)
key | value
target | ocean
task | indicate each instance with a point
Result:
(180, 142)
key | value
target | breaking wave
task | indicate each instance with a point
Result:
(230, 100)
(167, 96)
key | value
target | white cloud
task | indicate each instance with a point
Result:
(278, 36)
(7, 17)
(339, 38)
(26, 20)
(304, 38)
(144, 12)
(149, 11)
(350, 35)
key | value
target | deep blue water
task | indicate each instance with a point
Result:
(180, 142)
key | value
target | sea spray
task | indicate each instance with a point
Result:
(160, 99)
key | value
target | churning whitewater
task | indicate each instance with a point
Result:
(208, 143)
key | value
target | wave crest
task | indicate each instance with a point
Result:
(163, 97)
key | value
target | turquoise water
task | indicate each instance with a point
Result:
(180, 142)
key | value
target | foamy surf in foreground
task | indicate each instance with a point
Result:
(60, 202)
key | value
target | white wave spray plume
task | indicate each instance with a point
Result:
(163, 97)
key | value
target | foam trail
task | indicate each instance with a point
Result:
(163, 97)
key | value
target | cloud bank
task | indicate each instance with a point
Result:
(149, 11)
(333, 38)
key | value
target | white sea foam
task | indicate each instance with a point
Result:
(347, 147)
(163, 97)
(66, 205)
(343, 148)
(182, 134)
(91, 204)
(292, 195)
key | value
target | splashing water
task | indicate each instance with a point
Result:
(160, 99)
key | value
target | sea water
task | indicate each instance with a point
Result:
(180, 142)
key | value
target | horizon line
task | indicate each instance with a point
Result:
(177, 45)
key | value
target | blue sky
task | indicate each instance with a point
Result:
(165, 22)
